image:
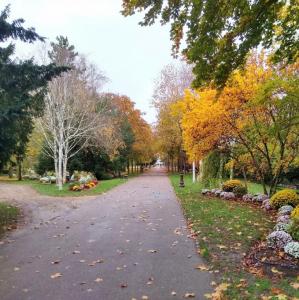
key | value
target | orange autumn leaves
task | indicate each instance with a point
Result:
(212, 119)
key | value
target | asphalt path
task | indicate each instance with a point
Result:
(129, 243)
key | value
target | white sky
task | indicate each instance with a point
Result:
(130, 55)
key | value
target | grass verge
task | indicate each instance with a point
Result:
(225, 231)
(52, 190)
(8, 217)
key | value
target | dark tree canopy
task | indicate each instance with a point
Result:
(219, 34)
(22, 87)
(62, 53)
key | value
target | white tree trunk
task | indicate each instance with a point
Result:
(193, 172)
(59, 175)
(65, 159)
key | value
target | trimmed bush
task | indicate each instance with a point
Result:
(228, 186)
(240, 190)
(266, 204)
(284, 197)
(248, 197)
(278, 239)
(285, 210)
(295, 213)
(283, 219)
(282, 227)
(292, 249)
(293, 229)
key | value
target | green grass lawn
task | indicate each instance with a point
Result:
(254, 188)
(8, 216)
(52, 190)
(225, 231)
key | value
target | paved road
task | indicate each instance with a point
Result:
(126, 244)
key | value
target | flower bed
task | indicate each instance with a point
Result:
(284, 237)
(82, 181)
(77, 186)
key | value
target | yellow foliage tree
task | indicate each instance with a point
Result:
(256, 111)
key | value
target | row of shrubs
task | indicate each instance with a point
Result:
(281, 198)
(286, 232)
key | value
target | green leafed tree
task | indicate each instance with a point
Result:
(22, 88)
(218, 35)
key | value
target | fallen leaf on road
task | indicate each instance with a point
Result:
(76, 252)
(189, 295)
(99, 279)
(16, 269)
(144, 297)
(123, 285)
(150, 281)
(202, 268)
(173, 293)
(56, 275)
(152, 251)
(55, 262)
(177, 231)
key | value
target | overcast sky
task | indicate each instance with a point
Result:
(130, 55)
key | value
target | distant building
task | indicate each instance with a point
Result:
(159, 163)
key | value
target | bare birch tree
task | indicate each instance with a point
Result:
(73, 108)
(170, 85)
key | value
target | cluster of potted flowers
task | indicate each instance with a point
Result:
(286, 231)
(82, 181)
(48, 178)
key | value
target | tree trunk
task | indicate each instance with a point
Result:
(64, 170)
(264, 186)
(56, 168)
(193, 172)
(231, 172)
(60, 178)
(273, 185)
(10, 172)
(19, 163)
(221, 168)
(128, 166)
(200, 171)
(245, 178)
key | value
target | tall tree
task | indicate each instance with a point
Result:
(255, 115)
(220, 34)
(73, 108)
(22, 88)
(170, 87)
